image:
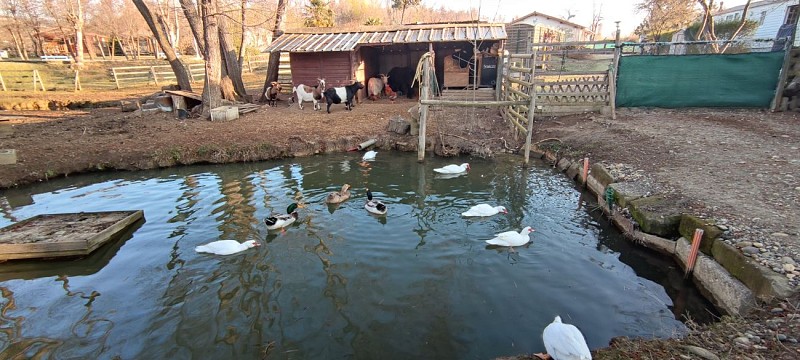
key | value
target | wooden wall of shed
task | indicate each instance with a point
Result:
(335, 67)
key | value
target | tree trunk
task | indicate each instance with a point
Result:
(241, 41)
(79, 36)
(229, 55)
(194, 24)
(275, 56)
(212, 95)
(181, 75)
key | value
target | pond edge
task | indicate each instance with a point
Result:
(724, 274)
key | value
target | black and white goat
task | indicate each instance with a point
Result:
(337, 94)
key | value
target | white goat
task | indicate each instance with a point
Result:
(310, 93)
(375, 86)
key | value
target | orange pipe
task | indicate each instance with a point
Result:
(585, 169)
(690, 261)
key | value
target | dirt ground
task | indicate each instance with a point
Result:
(739, 167)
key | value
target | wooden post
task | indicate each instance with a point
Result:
(189, 70)
(507, 84)
(498, 82)
(2, 83)
(423, 109)
(153, 73)
(37, 79)
(531, 109)
(77, 81)
(612, 80)
(116, 80)
(784, 74)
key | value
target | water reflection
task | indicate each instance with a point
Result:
(417, 282)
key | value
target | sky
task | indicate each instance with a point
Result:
(623, 11)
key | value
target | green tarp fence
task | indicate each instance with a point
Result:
(677, 81)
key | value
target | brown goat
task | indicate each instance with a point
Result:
(272, 93)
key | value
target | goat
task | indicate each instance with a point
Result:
(336, 94)
(375, 86)
(310, 93)
(272, 93)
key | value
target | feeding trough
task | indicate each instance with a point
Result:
(59, 235)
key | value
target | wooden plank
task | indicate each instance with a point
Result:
(189, 94)
(470, 103)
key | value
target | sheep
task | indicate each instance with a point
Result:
(310, 93)
(375, 86)
(335, 95)
(272, 93)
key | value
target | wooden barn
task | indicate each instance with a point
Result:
(464, 52)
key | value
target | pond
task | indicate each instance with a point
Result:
(417, 282)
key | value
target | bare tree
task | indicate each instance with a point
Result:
(707, 30)
(664, 16)
(212, 91)
(275, 56)
(12, 7)
(597, 16)
(75, 18)
(181, 75)
(33, 18)
(195, 24)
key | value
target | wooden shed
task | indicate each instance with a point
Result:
(341, 55)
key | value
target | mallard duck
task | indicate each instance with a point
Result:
(339, 196)
(226, 247)
(484, 210)
(564, 341)
(277, 221)
(453, 169)
(374, 206)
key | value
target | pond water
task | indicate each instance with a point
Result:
(417, 282)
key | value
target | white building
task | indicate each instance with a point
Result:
(541, 28)
(770, 15)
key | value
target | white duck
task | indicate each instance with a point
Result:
(512, 238)
(226, 247)
(484, 210)
(453, 169)
(374, 206)
(565, 342)
(278, 221)
(369, 155)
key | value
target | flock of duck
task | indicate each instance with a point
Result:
(562, 341)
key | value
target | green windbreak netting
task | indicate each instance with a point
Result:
(735, 80)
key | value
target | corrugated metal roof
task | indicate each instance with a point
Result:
(308, 40)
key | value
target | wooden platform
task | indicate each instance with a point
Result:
(57, 235)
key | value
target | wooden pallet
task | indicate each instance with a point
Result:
(58, 235)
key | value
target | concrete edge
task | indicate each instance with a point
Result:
(727, 292)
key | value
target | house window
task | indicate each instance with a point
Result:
(736, 17)
(763, 16)
(729, 17)
(791, 15)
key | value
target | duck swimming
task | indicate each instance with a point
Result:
(277, 221)
(374, 206)
(336, 197)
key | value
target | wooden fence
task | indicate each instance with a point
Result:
(253, 70)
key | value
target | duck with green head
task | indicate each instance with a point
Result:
(277, 221)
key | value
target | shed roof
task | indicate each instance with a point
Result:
(336, 39)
